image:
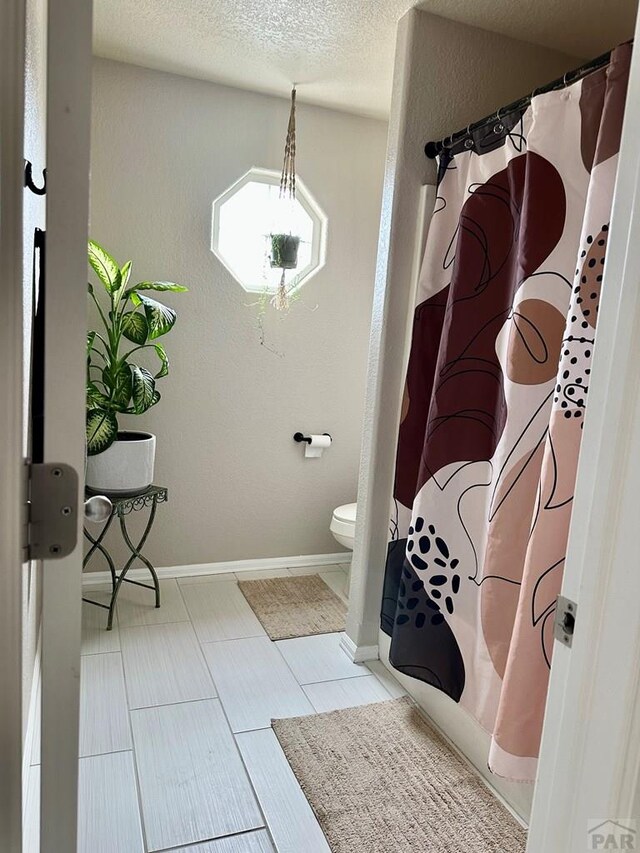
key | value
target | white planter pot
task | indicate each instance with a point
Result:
(124, 468)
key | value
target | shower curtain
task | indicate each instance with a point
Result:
(494, 404)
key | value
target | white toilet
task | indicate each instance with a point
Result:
(343, 524)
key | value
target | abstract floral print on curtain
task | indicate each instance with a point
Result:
(494, 403)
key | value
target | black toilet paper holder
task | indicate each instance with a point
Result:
(299, 436)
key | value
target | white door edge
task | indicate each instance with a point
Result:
(68, 130)
(12, 22)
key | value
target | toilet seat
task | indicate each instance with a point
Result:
(343, 524)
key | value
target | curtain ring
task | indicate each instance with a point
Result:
(498, 128)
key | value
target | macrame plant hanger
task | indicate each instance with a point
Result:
(280, 299)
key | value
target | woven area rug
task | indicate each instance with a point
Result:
(381, 780)
(295, 606)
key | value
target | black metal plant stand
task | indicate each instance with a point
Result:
(122, 507)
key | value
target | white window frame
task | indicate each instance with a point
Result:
(308, 203)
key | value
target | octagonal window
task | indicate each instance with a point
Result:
(252, 229)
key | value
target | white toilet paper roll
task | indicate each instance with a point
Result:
(319, 443)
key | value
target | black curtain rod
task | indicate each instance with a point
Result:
(433, 149)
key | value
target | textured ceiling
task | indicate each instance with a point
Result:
(340, 52)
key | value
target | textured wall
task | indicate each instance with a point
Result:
(163, 147)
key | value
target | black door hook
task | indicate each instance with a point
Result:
(28, 179)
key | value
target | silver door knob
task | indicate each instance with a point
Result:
(97, 508)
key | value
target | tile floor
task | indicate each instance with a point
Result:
(176, 747)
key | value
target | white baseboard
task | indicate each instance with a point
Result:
(233, 566)
(358, 654)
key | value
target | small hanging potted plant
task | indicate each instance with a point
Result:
(122, 462)
(284, 251)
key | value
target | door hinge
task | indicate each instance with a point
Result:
(565, 620)
(51, 510)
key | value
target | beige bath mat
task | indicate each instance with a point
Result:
(295, 606)
(381, 780)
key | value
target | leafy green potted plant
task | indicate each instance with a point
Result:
(120, 462)
(284, 251)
